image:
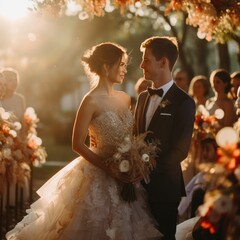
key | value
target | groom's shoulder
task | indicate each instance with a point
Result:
(182, 94)
(180, 97)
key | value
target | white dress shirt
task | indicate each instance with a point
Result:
(155, 101)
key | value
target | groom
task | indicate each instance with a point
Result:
(168, 113)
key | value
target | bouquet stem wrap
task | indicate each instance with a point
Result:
(128, 192)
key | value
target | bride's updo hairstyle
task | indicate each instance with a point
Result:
(104, 53)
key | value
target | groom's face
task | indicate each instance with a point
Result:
(151, 67)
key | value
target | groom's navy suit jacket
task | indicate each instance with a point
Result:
(172, 124)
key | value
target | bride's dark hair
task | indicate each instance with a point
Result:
(104, 53)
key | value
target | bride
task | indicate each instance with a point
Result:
(82, 200)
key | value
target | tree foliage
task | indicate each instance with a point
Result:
(214, 19)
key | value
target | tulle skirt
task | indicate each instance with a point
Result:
(81, 202)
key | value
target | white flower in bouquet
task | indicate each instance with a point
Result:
(124, 166)
(125, 145)
(145, 157)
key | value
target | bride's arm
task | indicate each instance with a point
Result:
(83, 118)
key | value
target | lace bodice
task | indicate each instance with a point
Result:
(109, 129)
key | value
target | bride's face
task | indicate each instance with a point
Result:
(119, 69)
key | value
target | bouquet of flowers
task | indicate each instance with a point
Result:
(134, 157)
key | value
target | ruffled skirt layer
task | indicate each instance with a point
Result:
(81, 202)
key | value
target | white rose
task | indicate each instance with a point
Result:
(145, 157)
(124, 166)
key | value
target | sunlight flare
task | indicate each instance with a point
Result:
(14, 9)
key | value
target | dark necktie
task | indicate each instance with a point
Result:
(152, 92)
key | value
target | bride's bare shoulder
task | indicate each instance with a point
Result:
(124, 96)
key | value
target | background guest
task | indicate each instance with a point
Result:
(182, 79)
(235, 81)
(13, 101)
(221, 84)
(199, 89)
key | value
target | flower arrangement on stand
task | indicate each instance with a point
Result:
(17, 153)
(220, 212)
(134, 157)
(11, 148)
(35, 151)
(205, 126)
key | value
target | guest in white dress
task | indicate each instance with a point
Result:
(13, 101)
(221, 84)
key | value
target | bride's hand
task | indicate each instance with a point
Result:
(124, 177)
(137, 179)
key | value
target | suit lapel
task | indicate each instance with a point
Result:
(142, 114)
(167, 97)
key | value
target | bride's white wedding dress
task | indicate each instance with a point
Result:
(81, 202)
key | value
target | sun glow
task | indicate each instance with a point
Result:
(14, 9)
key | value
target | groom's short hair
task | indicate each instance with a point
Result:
(162, 47)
